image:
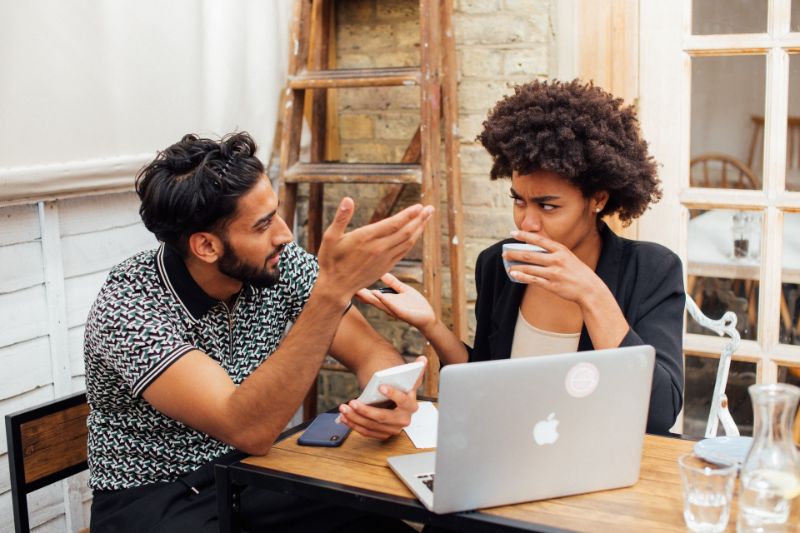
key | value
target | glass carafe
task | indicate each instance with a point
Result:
(770, 476)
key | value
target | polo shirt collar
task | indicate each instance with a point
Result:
(180, 283)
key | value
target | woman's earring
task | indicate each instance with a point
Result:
(598, 209)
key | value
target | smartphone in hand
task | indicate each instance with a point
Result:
(324, 431)
(401, 377)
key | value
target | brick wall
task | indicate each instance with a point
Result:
(499, 43)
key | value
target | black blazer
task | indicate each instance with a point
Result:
(645, 278)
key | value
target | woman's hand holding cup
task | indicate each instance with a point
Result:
(557, 269)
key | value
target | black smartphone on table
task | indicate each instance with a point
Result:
(324, 431)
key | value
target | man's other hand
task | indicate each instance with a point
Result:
(378, 422)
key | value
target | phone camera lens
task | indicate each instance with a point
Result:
(335, 438)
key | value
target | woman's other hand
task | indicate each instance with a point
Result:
(407, 305)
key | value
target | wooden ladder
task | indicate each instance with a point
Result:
(436, 77)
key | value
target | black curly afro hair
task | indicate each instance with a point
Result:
(580, 132)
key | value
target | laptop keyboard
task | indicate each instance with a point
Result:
(427, 480)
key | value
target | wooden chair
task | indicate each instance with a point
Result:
(756, 151)
(726, 325)
(46, 443)
(719, 413)
(721, 171)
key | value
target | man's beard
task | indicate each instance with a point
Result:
(233, 266)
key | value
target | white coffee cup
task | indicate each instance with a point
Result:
(519, 247)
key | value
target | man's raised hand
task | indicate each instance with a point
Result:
(350, 261)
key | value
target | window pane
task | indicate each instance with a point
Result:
(790, 279)
(701, 374)
(723, 266)
(729, 16)
(795, 15)
(789, 374)
(793, 132)
(727, 121)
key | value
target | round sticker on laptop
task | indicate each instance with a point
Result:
(582, 380)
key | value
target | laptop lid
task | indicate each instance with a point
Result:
(517, 430)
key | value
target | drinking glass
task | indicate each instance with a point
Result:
(707, 493)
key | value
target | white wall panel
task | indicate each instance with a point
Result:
(26, 366)
(44, 505)
(56, 525)
(78, 383)
(76, 350)
(80, 295)
(88, 253)
(5, 483)
(91, 213)
(20, 266)
(19, 223)
(23, 315)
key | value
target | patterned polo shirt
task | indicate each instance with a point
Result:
(148, 314)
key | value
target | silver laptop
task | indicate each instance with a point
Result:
(526, 429)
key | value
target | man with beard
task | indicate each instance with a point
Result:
(187, 352)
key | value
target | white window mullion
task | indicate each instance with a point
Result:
(738, 44)
(775, 120)
(774, 175)
(729, 44)
(788, 201)
(787, 354)
(707, 198)
(780, 14)
(770, 286)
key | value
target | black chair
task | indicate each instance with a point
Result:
(46, 443)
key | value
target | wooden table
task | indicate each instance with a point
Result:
(356, 475)
(710, 251)
(710, 248)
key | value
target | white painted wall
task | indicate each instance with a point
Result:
(90, 90)
(89, 79)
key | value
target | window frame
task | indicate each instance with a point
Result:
(667, 48)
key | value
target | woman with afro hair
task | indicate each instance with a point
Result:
(574, 155)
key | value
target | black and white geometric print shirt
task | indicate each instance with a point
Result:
(148, 314)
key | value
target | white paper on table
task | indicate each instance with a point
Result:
(423, 426)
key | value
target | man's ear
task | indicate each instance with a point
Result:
(205, 246)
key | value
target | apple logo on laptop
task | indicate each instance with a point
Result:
(545, 432)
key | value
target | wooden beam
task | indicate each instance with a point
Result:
(608, 54)
(430, 111)
(452, 143)
(389, 200)
(293, 108)
(318, 60)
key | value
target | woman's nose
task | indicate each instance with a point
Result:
(531, 222)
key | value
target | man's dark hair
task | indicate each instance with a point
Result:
(580, 132)
(194, 185)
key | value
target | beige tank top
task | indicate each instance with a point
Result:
(530, 340)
